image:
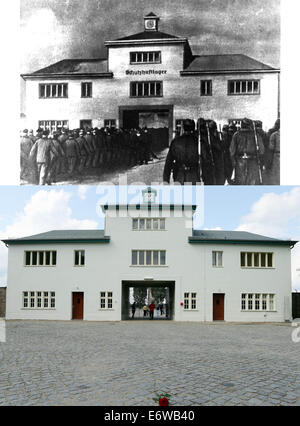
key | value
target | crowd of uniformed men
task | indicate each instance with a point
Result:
(47, 157)
(242, 156)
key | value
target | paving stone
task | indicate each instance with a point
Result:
(87, 363)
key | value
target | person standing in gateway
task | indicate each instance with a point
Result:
(151, 308)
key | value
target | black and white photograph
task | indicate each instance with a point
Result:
(184, 92)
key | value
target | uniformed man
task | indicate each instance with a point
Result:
(211, 153)
(62, 138)
(72, 153)
(41, 151)
(217, 151)
(274, 148)
(146, 139)
(83, 151)
(89, 144)
(183, 157)
(247, 150)
(226, 139)
(32, 137)
(108, 146)
(55, 160)
(25, 148)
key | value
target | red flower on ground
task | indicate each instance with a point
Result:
(163, 402)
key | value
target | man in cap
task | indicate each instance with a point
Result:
(83, 150)
(25, 147)
(226, 139)
(217, 151)
(72, 152)
(62, 138)
(183, 157)
(274, 148)
(55, 160)
(41, 151)
(91, 150)
(247, 150)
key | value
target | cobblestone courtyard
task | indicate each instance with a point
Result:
(96, 363)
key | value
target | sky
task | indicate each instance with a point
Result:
(52, 30)
(269, 211)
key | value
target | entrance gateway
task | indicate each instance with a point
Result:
(127, 296)
(157, 118)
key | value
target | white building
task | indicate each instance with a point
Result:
(211, 275)
(151, 78)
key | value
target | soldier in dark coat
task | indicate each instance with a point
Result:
(212, 159)
(72, 153)
(227, 135)
(269, 175)
(42, 150)
(247, 150)
(25, 148)
(183, 157)
(146, 145)
(83, 151)
(89, 144)
(55, 160)
(62, 138)
(217, 152)
(274, 148)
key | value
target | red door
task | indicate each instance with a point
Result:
(77, 311)
(218, 307)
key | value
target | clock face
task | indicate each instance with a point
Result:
(149, 197)
(150, 24)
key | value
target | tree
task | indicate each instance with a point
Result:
(139, 295)
(158, 294)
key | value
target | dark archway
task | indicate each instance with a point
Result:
(167, 288)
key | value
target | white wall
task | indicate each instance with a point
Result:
(189, 265)
(182, 92)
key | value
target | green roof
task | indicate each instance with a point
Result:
(63, 236)
(235, 237)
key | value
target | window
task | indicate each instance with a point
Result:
(53, 90)
(148, 89)
(111, 123)
(258, 302)
(79, 258)
(106, 300)
(243, 302)
(86, 90)
(40, 258)
(257, 260)
(217, 259)
(148, 258)
(53, 126)
(206, 87)
(144, 224)
(38, 299)
(243, 87)
(145, 57)
(190, 301)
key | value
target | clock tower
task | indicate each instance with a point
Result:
(151, 22)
